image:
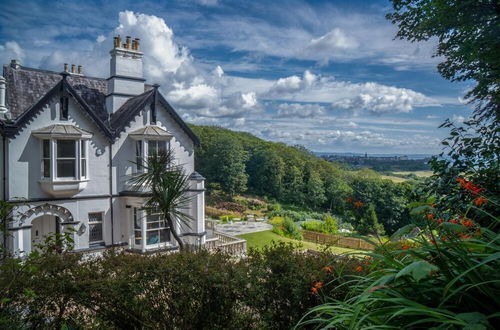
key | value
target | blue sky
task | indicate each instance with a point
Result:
(324, 74)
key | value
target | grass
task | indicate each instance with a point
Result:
(262, 238)
(393, 178)
(421, 174)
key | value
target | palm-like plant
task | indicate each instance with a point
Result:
(166, 186)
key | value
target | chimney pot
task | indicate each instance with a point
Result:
(80, 69)
(128, 42)
(65, 67)
(117, 41)
(137, 43)
(15, 64)
(73, 68)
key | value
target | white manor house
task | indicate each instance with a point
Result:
(69, 144)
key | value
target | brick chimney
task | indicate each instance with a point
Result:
(126, 77)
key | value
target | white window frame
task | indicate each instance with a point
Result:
(142, 155)
(81, 148)
(101, 222)
(140, 231)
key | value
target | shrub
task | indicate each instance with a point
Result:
(446, 279)
(271, 289)
(291, 230)
(328, 226)
(230, 206)
(285, 227)
(313, 225)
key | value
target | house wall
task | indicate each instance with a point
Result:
(24, 174)
(124, 147)
(25, 154)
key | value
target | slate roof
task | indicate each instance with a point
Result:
(28, 89)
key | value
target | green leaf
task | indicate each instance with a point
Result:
(475, 320)
(402, 231)
(418, 270)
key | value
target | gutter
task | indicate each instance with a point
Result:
(111, 192)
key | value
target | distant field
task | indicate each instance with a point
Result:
(395, 177)
(262, 238)
(422, 174)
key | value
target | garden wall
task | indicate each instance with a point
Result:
(337, 240)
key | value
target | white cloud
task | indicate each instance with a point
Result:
(298, 110)
(458, 119)
(11, 51)
(194, 97)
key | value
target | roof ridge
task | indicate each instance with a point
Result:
(27, 68)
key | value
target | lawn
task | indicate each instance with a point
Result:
(262, 238)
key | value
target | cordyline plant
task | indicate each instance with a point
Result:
(166, 186)
(446, 278)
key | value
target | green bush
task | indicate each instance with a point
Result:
(328, 226)
(286, 227)
(313, 225)
(270, 289)
(446, 278)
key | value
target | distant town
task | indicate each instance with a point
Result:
(416, 162)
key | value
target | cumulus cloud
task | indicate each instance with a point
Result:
(380, 99)
(458, 118)
(293, 84)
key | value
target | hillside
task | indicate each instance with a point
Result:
(238, 162)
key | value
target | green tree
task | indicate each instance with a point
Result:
(266, 170)
(468, 34)
(225, 164)
(314, 189)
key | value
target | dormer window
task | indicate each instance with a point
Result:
(64, 160)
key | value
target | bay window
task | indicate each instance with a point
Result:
(150, 226)
(150, 140)
(64, 158)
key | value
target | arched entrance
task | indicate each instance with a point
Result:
(45, 220)
(42, 227)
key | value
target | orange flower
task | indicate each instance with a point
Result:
(439, 221)
(318, 285)
(405, 247)
(480, 201)
(348, 199)
(314, 290)
(358, 204)
(328, 269)
(453, 221)
(471, 187)
(468, 223)
(359, 269)
(429, 216)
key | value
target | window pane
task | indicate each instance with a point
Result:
(153, 237)
(138, 154)
(162, 145)
(137, 237)
(66, 168)
(95, 217)
(164, 235)
(95, 232)
(153, 225)
(66, 149)
(137, 220)
(46, 168)
(84, 168)
(82, 143)
(46, 148)
(152, 148)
